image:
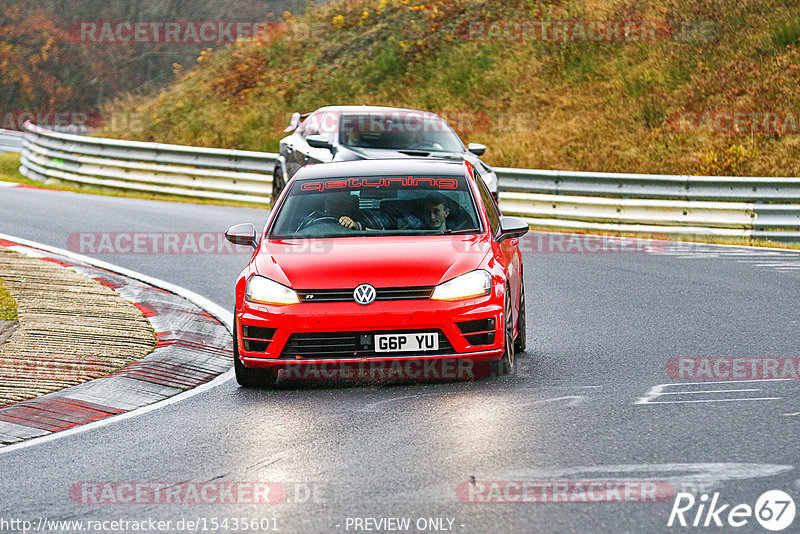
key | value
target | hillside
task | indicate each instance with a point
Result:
(666, 94)
(50, 64)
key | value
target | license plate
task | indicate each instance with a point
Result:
(406, 342)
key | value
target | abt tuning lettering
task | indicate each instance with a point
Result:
(356, 183)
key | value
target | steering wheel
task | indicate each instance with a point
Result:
(316, 220)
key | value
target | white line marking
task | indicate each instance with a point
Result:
(701, 474)
(576, 399)
(791, 414)
(727, 382)
(658, 390)
(371, 407)
(746, 254)
(709, 391)
(220, 313)
(711, 400)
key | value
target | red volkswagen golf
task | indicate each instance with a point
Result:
(383, 268)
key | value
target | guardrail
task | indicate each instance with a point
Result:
(712, 205)
(10, 141)
(645, 203)
(196, 172)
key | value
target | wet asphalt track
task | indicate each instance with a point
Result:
(601, 328)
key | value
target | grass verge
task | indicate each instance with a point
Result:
(8, 306)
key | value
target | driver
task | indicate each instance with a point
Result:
(340, 206)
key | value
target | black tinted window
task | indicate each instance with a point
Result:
(376, 205)
(492, 212)
(399, 130)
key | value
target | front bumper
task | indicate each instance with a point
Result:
(277, 324)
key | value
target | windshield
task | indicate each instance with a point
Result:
(398, 131)
(376, 205)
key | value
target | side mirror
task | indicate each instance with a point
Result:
(477, 148)
(512, 227)
(242, 234)
(318, 141)
(294, 122)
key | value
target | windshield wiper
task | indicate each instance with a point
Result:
(462, 231)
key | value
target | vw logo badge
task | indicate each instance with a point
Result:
(364, 294)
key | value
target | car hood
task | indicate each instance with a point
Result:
(353, 153)
(385, 153)
(344, 263)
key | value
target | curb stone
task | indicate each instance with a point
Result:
(193, 347)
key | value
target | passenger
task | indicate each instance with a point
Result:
(435, 211)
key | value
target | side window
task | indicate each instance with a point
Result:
(329, 126)
(310, 126)
(488, 202)
(326, 124)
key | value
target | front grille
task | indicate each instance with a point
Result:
(350, 345)
(346, 295)
(257, 338)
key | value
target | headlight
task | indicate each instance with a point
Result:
(260, 289)
(474, 284)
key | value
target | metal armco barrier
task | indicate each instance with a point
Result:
(10, 141)
(210, 173)
(654, 203)
(591, 201)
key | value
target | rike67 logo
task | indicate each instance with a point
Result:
(774, 510)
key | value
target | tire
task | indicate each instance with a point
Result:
(247, 376)
(277, 183)
(522, 333)
(506, 364)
